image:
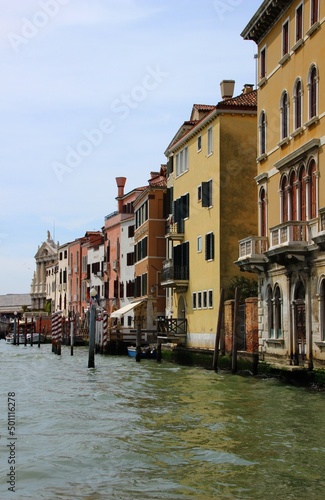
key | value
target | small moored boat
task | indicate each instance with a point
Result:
(146, 352)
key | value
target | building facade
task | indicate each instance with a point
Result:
(45, 257)
(211, 164)
(287, 253)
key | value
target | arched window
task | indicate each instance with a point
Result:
(262, 131)
(262, 204)
(312, 89)
(312, 189)
(293, 196)
(277, 313)
(284, 192)
(322, 310)
(284, 115)
(302, 193)
(270, 312)
(298, 104)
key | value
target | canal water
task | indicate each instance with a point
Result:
(128, 430)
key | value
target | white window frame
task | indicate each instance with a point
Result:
(182, 161)
(210, 141)
(199, 244)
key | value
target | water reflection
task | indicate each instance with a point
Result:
(127, 430)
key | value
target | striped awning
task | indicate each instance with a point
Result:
(120, 312)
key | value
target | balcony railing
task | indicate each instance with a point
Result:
(174, 274)
(290, 233)
(252, 246)
(175, 231)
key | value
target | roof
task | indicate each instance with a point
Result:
(14, 301)
(243, 100)
(264, 18)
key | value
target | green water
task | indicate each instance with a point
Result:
(128, 430)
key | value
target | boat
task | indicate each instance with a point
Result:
(146, 352)
(10, 338)
(37, 337)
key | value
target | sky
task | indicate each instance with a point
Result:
(96, 89)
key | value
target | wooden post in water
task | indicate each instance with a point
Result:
(71, 325)
(25, 332)
(218, 332)
(18, 332)
(138, 342)
(92, 326)
(159, 355)
(40, 332)
(234, 333)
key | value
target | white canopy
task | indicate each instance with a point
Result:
(120, 312)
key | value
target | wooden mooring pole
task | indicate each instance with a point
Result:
(218, 332)
(234, 366)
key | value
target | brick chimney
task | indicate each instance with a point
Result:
(227, 88)
(120, 181)
(248, 87)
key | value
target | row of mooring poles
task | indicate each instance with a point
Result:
(234, 365)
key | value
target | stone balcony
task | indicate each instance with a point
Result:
(251, 254)
(291, 241)
(174, 232)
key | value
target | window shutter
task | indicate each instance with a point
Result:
(206, 202)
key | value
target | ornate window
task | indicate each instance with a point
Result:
(298, 104)
(284, 115)
(262, 132)
(313, 91)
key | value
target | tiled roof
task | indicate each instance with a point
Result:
(243, 100)
(13, 301)
(204, 107)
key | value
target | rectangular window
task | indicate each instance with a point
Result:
(210, 141)
(199, 143)
(205, 299)
(209, 246)
(210, 299)
(129, 320)
(263, 63)
(130, 259)
(299, 23)
(182, 161)
(285, 38)
(207, 194)
(199, 243)
(199, 300)
(199, 193)
(131, 231)
(314, 12)
(194, 300)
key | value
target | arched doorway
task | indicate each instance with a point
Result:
(181, 315)
(300, 321)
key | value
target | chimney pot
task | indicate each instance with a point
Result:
(227, 88)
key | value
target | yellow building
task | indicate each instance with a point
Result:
(288, 253)
(211, 165)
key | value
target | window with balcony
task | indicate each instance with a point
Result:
(284, 112)
(312, 175)
(262, 211)
(312, 92)
(298, 104)
(302, 208)
(181, 211)
(181, 261)
(284, 189)
(182, 161)
(209, 246)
